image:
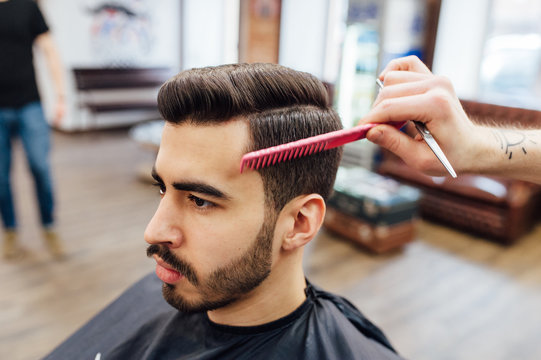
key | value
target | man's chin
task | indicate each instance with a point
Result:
(191, 306)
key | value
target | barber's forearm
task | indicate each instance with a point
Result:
(46, 44)
(514, 153)
(55, 67)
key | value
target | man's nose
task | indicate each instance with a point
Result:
(164, 227)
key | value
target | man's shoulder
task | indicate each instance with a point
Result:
(139, 306)
(340, 330)
(24, 4)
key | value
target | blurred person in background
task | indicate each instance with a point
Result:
(21, 26)
(412, 92)
(229, 246)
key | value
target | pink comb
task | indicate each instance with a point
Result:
(272, 155)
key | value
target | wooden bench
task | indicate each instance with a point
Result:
(118, 96)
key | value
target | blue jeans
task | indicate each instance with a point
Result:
(27, 122)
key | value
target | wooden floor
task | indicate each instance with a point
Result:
(445, 296)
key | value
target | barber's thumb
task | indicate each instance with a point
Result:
(389, 138)
(375, 135)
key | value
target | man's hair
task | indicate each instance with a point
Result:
(280, 105)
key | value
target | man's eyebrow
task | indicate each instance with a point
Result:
(201, 188)
(197, 187)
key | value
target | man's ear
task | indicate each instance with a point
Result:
(304, 216)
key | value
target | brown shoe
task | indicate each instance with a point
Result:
(52, 240)
(10, 248)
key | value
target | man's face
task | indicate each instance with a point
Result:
(210, 236)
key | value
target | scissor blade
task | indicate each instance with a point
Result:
(431, 142)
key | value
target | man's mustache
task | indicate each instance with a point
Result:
(166, 255)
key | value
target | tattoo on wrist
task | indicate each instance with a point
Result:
(512, 140)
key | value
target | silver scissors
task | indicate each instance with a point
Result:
(430, 141)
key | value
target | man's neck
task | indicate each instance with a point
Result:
(279, 295)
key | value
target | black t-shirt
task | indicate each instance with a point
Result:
(141, 325)
(21, 22)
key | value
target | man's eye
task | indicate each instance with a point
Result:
(200, 203)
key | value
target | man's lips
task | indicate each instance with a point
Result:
(165, 273)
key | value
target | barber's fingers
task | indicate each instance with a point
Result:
(414, 152)
(421, 107)
(409, 63)
(408, 83)
(407, 88)
(399, 77)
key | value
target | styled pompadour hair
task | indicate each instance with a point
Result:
(280, 105)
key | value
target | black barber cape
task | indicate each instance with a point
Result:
(141, 325)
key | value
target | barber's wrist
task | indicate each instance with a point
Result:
(481, 154)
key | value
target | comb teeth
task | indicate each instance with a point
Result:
(280, 157)
(267, 157)
(264, 162)
(296, 153)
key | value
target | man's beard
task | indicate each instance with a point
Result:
(225, 284)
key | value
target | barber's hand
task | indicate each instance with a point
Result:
(59, 112)
(412, 92)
